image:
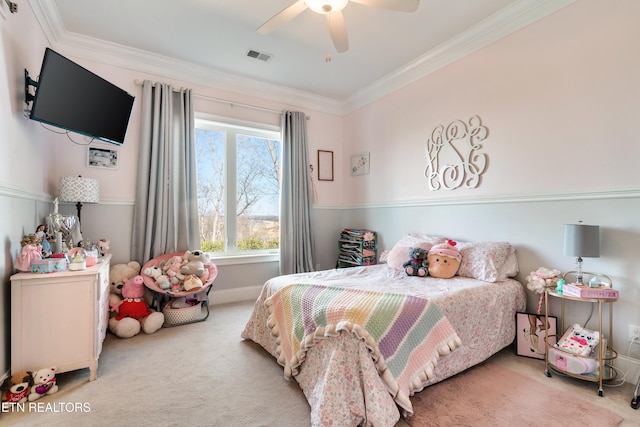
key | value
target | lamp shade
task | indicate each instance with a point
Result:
(75, 189)
(582, 240)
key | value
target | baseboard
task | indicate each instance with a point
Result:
(226, 296)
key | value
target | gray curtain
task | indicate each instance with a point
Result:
(166, 210)
(296, 239)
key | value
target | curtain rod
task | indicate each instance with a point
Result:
(231, 103)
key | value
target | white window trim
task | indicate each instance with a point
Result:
(208, 121)
(244, 258)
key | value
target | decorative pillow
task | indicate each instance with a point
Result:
(399, 254)
(483, 260)
(429, 238)
(384, 256)
(510, 267)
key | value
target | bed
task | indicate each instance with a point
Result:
(343, 370)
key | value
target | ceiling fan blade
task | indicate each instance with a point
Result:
(338, 31)
(283, 17)
(399, 5)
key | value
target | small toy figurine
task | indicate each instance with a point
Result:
(103, 246)
(43, 234)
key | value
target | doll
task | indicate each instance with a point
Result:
(42, 232)
(31, 251)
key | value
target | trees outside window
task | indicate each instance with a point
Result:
(238, 172)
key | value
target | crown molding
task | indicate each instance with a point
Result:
(97, 50)
(507, 21)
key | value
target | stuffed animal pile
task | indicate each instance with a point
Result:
(186, 273)
(29, 386)
(130, 313)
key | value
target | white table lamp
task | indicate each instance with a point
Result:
(79, 190)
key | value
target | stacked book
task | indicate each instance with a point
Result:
(357, 247)
(584, 291)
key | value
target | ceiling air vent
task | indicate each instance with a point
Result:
(259, 55)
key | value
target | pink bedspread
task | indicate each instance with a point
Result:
(406, 335)
(340, 378)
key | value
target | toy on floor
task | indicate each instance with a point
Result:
(134, 314)
(16, 388)
(44, 382)
(118, 274)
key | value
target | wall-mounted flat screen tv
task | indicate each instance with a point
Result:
(73, 98)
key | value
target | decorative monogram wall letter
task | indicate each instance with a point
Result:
(452, 155)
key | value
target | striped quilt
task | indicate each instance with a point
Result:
(406, 335)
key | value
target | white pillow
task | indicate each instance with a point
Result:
(399, 254)
(510, 267)
(484, 260)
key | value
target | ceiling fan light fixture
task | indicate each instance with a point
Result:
(326, 6)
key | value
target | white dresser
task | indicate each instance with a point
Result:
(59, 319)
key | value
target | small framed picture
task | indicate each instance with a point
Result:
(360, 164)
(531, 334)
(98, 157)
(325, 165)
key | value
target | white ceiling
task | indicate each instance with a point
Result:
(212, 37)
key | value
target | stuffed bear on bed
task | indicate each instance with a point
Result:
(417, 264)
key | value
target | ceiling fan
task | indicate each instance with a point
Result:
(332, 9)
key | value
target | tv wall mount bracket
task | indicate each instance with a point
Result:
(28, 81)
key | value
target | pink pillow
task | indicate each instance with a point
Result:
(399, 254)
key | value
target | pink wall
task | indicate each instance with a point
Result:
(560, 99)
(324, 131)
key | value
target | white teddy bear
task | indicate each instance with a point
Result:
(44, 382)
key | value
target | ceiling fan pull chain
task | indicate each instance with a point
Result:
(328, 42)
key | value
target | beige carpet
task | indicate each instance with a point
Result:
(494, 396)
(204, 374)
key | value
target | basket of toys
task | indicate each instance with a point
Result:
(182, 310)
(180, 284)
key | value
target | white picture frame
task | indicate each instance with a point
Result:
(360, 164)
(101, 157)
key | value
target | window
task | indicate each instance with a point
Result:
(238, 170)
